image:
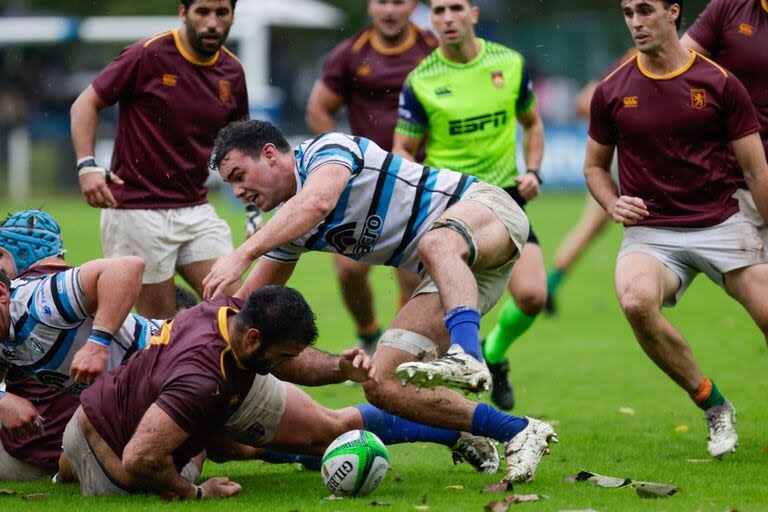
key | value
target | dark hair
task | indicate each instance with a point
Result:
(187, 3)
(668, 4)
(4, 279)
(280, 314)
(250, 137)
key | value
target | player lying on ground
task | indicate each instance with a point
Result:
(346, 195)
(209, 371)
(673, 115)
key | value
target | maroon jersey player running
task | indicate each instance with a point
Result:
(365, 74)
(672, 114)
(175, 91)
(735, 34)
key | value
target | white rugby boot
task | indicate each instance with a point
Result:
(478, 451)
(456, 369)
(722, 438)
(525, 450)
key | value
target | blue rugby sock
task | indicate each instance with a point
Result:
(463, 324)
(308, 461)
(490, 422)
(393, 429)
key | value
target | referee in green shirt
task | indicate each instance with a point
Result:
(464, 99)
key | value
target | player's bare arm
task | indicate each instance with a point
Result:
(406, 146)
(147, 459)
(322, 106)
(691, 44)
(84, 116)
(266, 272)
(317, 368)
(296, 217)
(533, 149)
(597, 171)
(752, 160)
(111, 287)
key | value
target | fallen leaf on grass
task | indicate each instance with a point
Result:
(453, 487)
(497, 506)
(765, 449)
(398, 477)
(699, 461)
(333, 498)
(421, 507)
(500, 487)
(653, 490)
(599, 480)
(522, 498)
(33, 497)
(681, 428)
(7, 492)
(381, 503)
(582, 510)
(627, 410)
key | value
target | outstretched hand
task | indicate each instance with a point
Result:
(356, 365)
(225, 272)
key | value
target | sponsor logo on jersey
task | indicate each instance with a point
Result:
(443, 91)
(47, 310)
(478, 123)
(225, 90)
(497, 77)
(698, 98)
(342, 238)
(746, 29)
(364, 70)
(36, 345)
(170, 80)
(10, 355)
(630, 102)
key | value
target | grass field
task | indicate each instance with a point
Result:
(577, 370)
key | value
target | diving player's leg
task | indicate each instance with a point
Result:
(528, 288)
(358, 297)
(592, 222)
(414, 336)
(407, 284)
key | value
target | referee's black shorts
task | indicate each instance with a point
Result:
(515, 194)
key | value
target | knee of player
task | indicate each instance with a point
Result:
(384, 394)
(638, 305)
(438, 245)
(531, 300)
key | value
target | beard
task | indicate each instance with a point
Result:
(256, 362)
(206, 50)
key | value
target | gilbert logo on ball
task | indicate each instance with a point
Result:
(355, 464)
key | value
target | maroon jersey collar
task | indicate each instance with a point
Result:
(222, 316)
(189, 57)
(673, 74)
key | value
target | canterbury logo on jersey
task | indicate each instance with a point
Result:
(478, 123)
(342, 238)
(442, 91)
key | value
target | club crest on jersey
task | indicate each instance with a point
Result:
(746, 29)
(364, 70)
(698, 98)
(225, 90)
(170, 80)
(631, 102)
(497, 77)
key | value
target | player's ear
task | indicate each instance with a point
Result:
(253, 338)
(475, 10)
(269, 153)
(182, 13)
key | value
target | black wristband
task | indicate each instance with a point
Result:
(536, 173)
(90, 162)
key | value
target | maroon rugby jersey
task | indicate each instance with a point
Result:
(735, 33)
(171, 108)
(189, 371)
(672, 134)
(56, 407)
(369, 78)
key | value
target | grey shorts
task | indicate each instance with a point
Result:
(491, 283)
(15, 470)
(255, 422)
(749, 209)
(94, 479)
(714, 251)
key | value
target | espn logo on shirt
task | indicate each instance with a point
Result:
(478, 123)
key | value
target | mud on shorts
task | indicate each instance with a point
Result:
(491, 283)
(94, 479)
(15, 470)
(735, 243)
(255, 422)
(165, 239)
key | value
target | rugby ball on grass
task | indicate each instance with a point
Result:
(354, 464)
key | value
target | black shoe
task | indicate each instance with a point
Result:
(502, 392)
(550, 306)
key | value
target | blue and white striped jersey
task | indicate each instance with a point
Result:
(50, 322)
(387, 205)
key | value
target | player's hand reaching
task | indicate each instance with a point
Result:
(528, 185)
(628, 210)
(93, 184)
(19, 417)
(89, 362)
(220, 487)
(225, 272)
(356, 365)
